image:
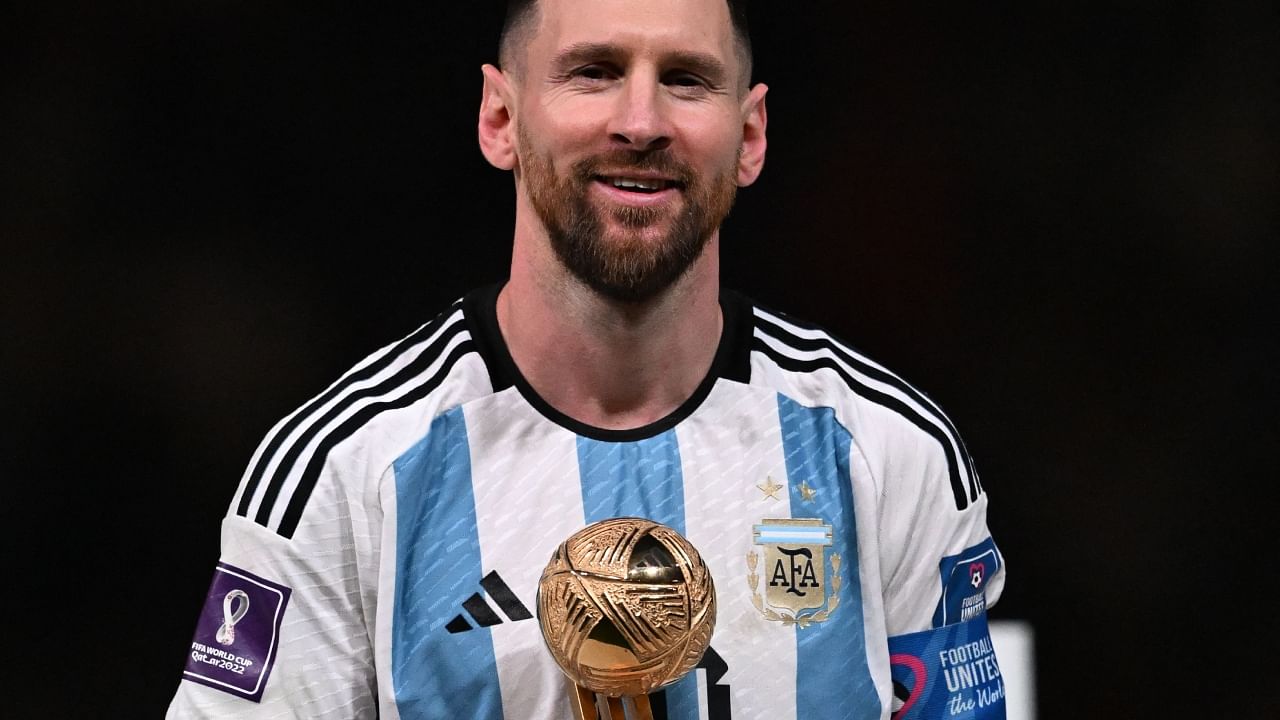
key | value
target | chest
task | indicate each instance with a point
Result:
(759, 485)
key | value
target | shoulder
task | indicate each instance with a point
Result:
(358, 425)
(899, 429)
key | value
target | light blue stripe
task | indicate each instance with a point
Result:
(809, 538)
(632, 479)
(832, 677)
(639, 479)
(436, 673)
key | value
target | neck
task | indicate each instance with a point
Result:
(606, 363)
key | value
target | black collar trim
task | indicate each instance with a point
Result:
(732, 362)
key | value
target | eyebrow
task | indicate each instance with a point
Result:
(585, 52)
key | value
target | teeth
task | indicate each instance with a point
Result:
(640, 184)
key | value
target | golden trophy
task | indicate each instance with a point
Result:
(626, 607)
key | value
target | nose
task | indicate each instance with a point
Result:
(640, 120)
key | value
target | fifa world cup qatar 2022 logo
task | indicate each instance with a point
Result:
(234, 606)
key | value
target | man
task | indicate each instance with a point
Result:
(382, 554)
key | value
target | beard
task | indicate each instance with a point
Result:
(632, 261)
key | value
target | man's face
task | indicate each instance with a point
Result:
(628, 128)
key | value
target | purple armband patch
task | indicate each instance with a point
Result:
(238, 633)
(948, 672)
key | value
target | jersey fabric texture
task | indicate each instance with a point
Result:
(411, 507)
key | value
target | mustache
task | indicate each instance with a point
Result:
(662, 162)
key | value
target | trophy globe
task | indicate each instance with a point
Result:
(626, 606)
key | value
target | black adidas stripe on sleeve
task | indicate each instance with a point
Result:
(840, 360)
(400, 390)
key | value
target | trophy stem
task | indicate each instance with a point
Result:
(584, 703)
(644, 711)
(616, 711)
(590, 706)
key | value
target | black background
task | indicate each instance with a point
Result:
(1059, 219)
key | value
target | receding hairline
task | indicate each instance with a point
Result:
(523, 16)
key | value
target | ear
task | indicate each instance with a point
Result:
(496, 128)
(755, 118)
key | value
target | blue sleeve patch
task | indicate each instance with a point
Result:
(964, 583)
(949, 672)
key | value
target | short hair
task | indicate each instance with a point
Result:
(522, 14)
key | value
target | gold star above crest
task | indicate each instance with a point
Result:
(807, 493)
(769, 488)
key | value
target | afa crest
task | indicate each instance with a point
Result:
(792, 567)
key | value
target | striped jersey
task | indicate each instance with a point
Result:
(381, 556)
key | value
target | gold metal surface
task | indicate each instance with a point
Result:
(626, 606)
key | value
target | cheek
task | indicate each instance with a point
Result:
(714, 143)
(566, 125)
(557, 146)
(718, 156)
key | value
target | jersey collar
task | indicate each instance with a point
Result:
(732, 362)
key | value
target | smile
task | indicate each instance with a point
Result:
(638, 184)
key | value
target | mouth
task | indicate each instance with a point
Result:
(640, 185)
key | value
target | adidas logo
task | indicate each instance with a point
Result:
(482, 614)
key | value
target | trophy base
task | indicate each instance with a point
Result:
(591, 706)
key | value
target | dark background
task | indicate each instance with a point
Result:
(1059, 219)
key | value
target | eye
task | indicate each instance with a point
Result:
(593, 72)
(684, 80)
(687, 83)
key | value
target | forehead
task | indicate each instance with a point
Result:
(642, 26)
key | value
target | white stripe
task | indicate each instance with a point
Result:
(384, 624)
(701, 677)
(294, 475)
(727, 448)
(522, 466)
